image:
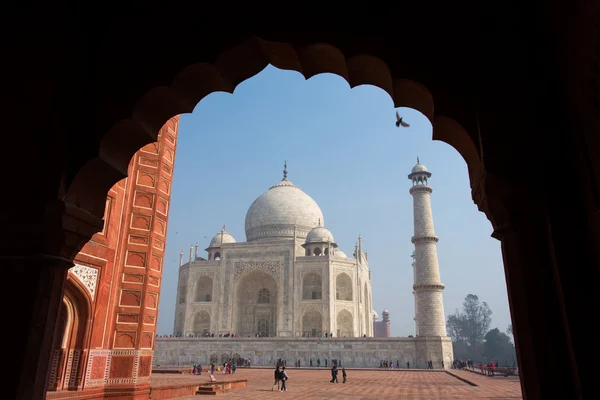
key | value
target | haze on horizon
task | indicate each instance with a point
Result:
(344, 150)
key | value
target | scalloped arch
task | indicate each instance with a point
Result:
(231, 68)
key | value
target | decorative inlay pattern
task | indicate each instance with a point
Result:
(276, 231)
(424, 239)
(54, 368)
(88, 372)
(88, 276)
(439, 286)
(273, 268)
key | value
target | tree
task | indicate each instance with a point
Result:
(472, 324)
(456, 327)
(509, 330)
(498, 347)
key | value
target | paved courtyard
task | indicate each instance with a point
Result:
(362, 384)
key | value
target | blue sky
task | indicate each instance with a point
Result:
(343, 150)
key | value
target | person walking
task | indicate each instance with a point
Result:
(212, 372)
(277, 375)
(334, 373)
(284, 377)
(344, 374)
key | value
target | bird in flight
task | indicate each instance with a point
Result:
(400, 122)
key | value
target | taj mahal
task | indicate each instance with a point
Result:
(290, 292)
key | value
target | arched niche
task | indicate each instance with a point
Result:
(312, 323)
(344, 323)
(343, 287)
(71, 338)
(312, 286)
(201, 323)
(204, 289)
(256, 300)
(179, 324)
(182, 292)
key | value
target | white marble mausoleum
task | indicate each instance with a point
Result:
(279, 292)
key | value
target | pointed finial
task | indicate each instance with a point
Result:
(285, 170)
(418, 162)
(223, 228)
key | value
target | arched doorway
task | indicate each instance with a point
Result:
(345, 325)
(256, 299)
(70, 341)
(312, 323)
(201, 323)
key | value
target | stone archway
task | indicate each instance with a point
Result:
(71, 338)
(201, 323)
(526, 284)
(256, 304)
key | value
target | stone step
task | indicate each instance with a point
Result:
(207, 391)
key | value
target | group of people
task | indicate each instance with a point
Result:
(488, 369)
(334, 374)
(385, 364)
(281, 376)
(337, 363)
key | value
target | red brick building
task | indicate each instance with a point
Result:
(381, 328)
(107, 321)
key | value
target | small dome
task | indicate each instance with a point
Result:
(385, 312)
(221, 237)
(339, 253)
(419, 168)
(319, 234)
(375, 315)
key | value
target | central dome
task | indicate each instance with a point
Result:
(275, 212)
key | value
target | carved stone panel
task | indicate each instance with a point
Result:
(88, 276)
(273, 268)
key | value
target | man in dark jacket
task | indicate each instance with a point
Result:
(344, 374)
(277, 378)
(334, 373)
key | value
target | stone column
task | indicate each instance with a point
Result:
(541, 289)
(32, 321)
(140, 261)
(35, 258)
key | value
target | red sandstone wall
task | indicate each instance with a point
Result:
(128, 255)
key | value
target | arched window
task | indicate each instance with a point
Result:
(263, 327)
(264, 296)
(343, 287)
(312, 287)
(204, 288)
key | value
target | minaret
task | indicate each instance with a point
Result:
(427, 287)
